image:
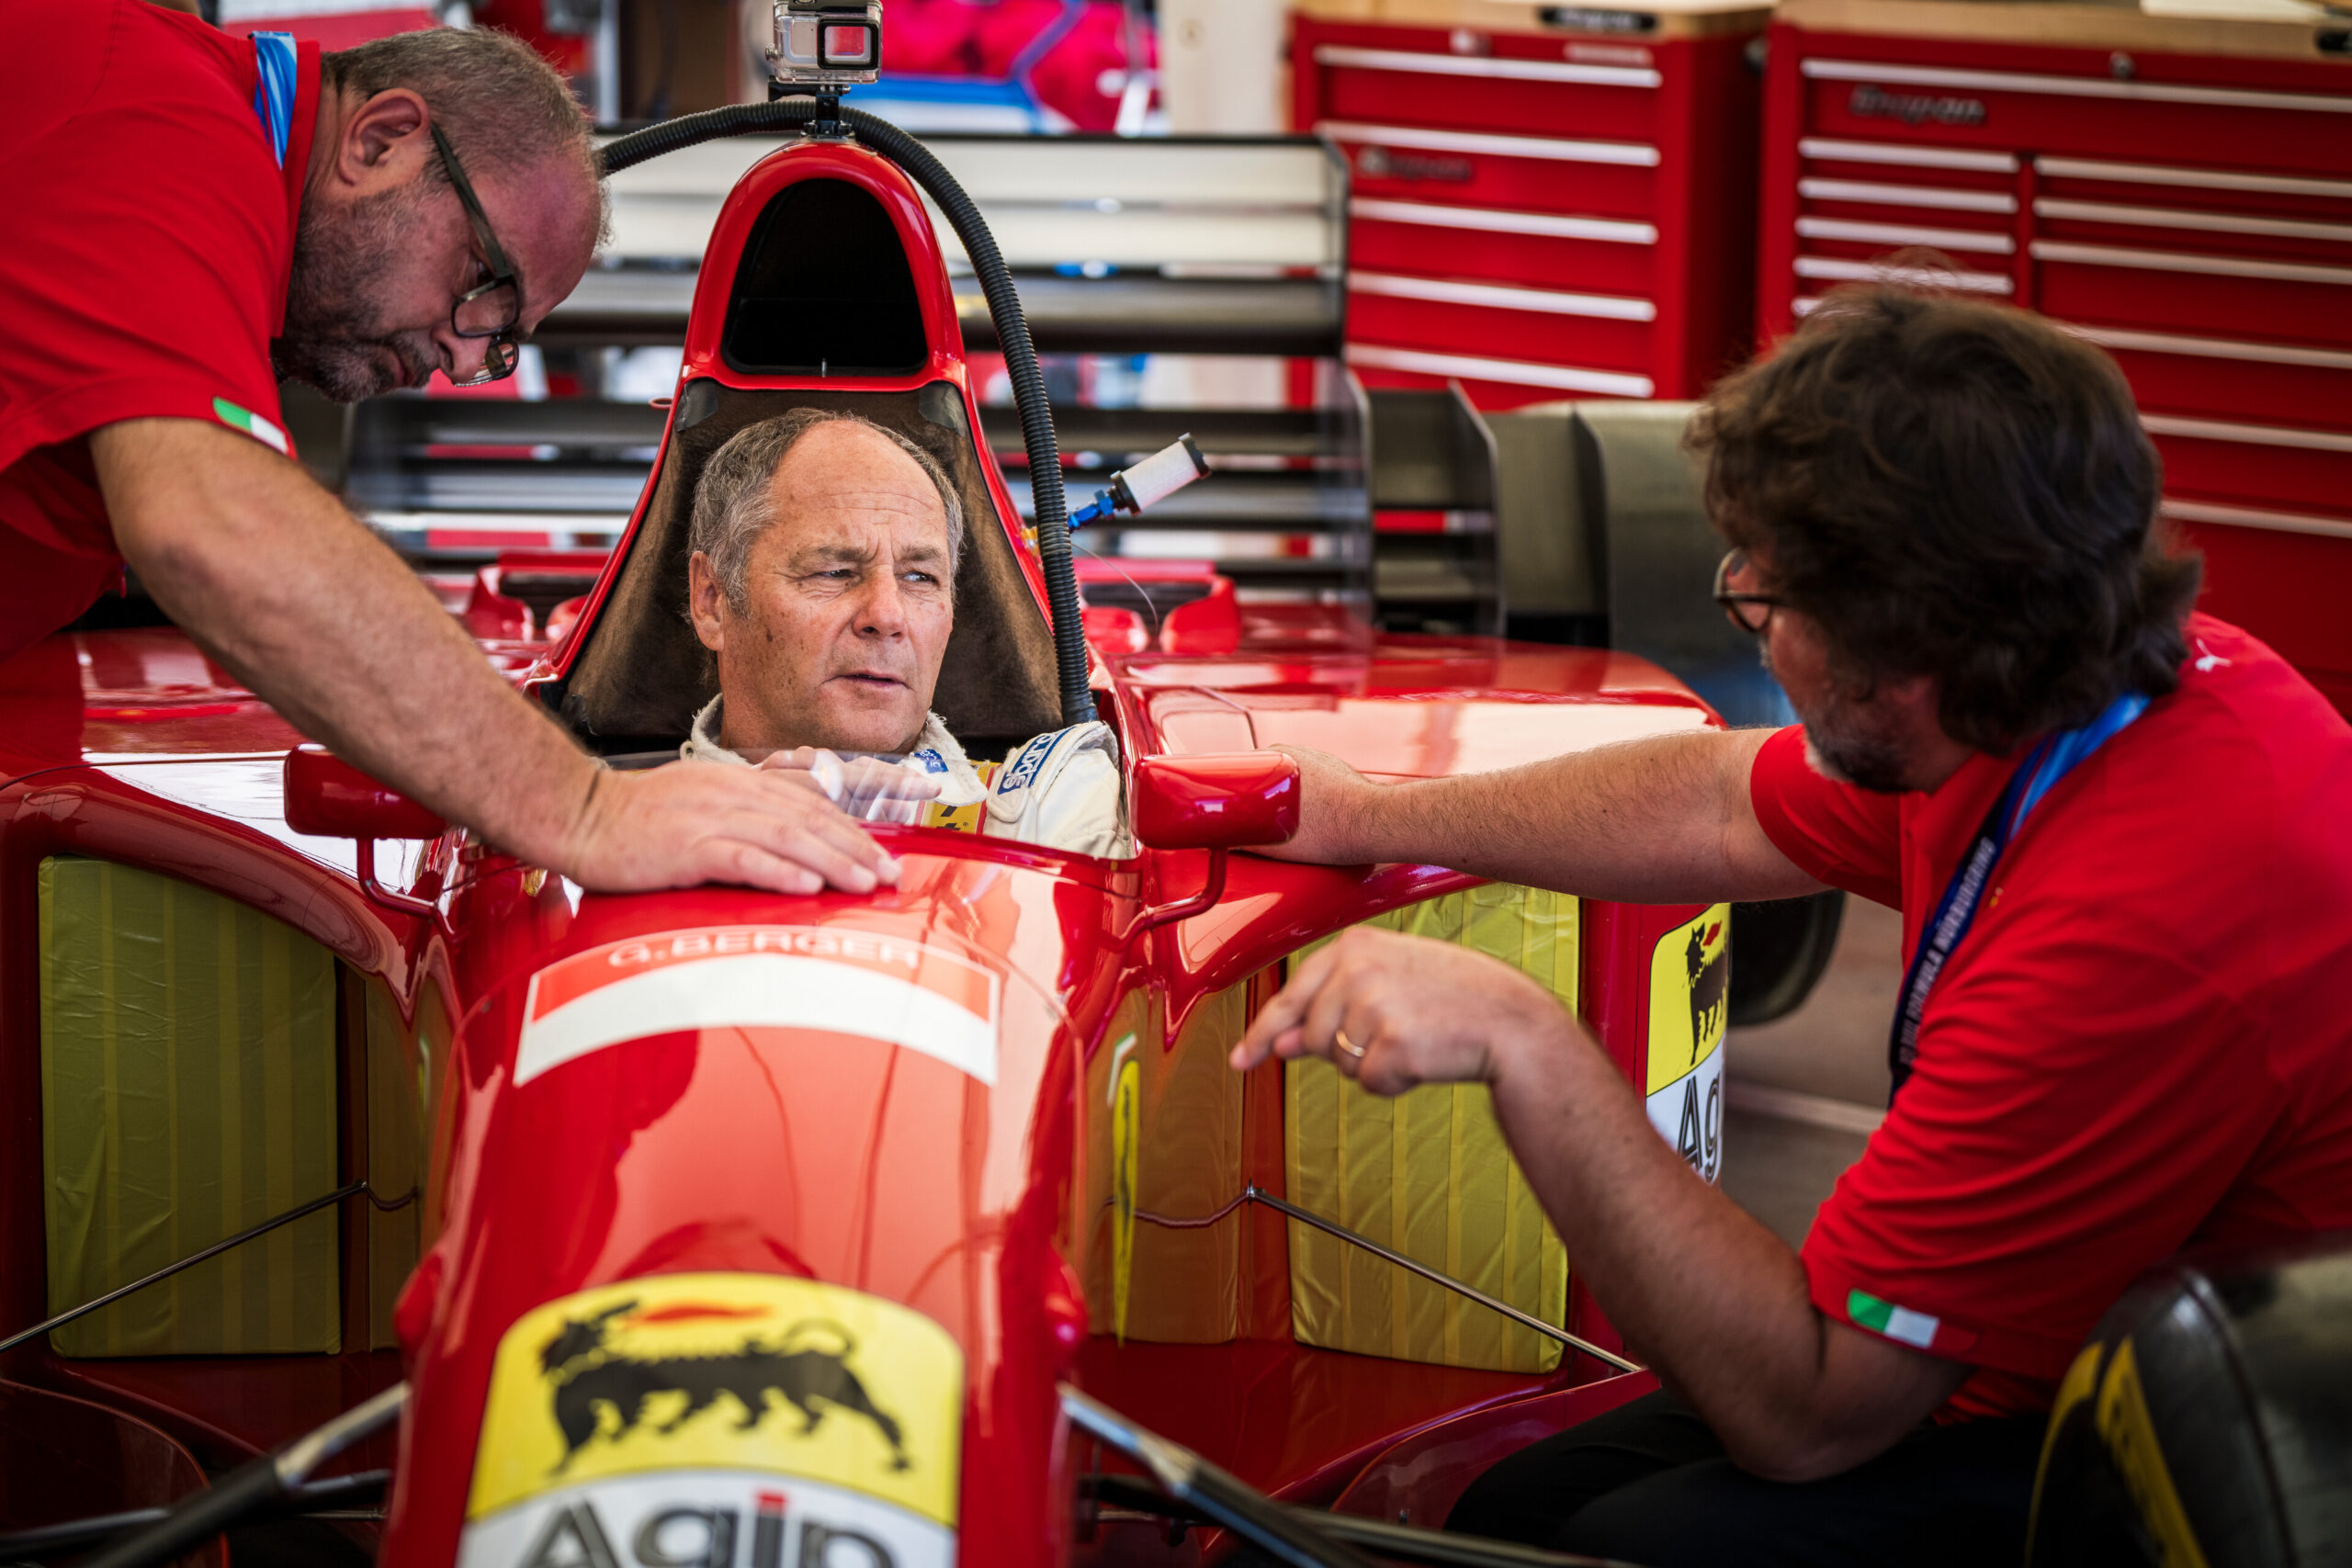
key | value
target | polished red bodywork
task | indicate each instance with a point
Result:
(822, 1155)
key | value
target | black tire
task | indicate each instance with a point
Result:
(1779, 951)
(2209, 1420)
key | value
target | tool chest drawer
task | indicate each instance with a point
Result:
(2218, 378)
(2139, 291)
(2178, 192)
(1544, 198)
(1504, 247)
(1527, 174)
(1419, 81)
(1998, 95)
(1556, 329)
(2263, 465)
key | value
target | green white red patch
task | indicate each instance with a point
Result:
(252, 424)
(1897, 1323)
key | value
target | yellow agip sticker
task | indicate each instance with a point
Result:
(1689, 1005)
(754, 1372)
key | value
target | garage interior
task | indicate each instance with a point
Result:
(1433, 288)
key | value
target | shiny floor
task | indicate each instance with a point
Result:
(1806, 1091)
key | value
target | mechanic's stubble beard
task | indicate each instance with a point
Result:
(334, 338)
(1845, 741)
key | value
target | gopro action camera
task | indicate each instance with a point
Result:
(826, 47)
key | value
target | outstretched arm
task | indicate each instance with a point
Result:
(275, 580)
(1715, 1302)
(1661, 820)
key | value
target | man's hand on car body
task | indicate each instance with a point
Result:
(763, 828)
(273, 579)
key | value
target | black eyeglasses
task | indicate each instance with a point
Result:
(488, 310)
(1741, 607)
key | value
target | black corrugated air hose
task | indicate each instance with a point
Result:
(1004, 305)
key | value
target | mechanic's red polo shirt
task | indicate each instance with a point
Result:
(151, 238)
(2144, 1042)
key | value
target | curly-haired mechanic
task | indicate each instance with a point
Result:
(194, 216)
(2119, 838)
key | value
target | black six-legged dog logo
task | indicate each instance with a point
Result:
(1709, 985)
(808, 1373)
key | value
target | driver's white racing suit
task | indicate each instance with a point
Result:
(1062, 789)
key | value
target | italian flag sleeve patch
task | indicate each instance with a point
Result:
(252, 424)
(1897, 1323)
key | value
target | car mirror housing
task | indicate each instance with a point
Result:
(330, 798)
(1227, 801)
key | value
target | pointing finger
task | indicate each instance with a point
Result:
(1283, 1012)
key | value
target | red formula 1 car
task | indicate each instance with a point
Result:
(722, 1228)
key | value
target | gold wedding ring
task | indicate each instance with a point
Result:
(1350, 1046)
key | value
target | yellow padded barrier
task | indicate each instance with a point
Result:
(1428, 1175)
(187, 1051)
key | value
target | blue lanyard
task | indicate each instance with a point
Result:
(273, 89)
(2049, 761)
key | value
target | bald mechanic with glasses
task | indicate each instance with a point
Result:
(195, 216)
(2117, 834)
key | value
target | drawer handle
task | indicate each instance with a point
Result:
(2245, 434)
(2210, 347)
(2207, 179)
(1486, 66)
(2178, 218)
(2174, 261)
(1909, 157)
(2070, 86)
(1630, 155)
(1565, 377)
(1494, 221)
(1905, 234)
(2247, 517)
(1839, 269)
(1503, 297)
(1907, 195)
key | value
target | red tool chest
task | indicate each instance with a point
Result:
(2179, 191)
(1548, 200)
